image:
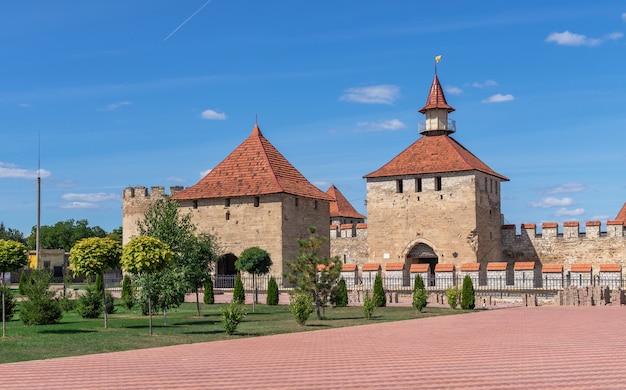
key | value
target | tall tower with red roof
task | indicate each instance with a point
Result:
(435, 202)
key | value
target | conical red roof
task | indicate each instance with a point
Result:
(340, 206)
(436, 98)
(621, 216)
(254, 168)
(433, 154)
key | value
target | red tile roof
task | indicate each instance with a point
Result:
(340, 207)
(394, 266)
(436, 98)
(470, 267)
(570, 224)
(348, 268)
(615, 223)
(524, 266)
(370, 267)
(580, 268)
(497, 266)
(621, 216)
(433, 154)
(610, 268)
(444, 268)
(552, 268)
(547, 225)
(254, 168)
(419, 268)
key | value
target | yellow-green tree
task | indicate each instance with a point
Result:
(145, 255)
(94, 256)
(12, 257)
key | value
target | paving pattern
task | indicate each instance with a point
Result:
(514, 348)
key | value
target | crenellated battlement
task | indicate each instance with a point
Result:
(570, 230)
(347, 230)
(155, 191)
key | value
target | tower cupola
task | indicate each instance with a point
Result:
(436, 111)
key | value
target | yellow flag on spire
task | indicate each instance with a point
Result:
(437, 59)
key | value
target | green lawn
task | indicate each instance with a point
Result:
(129, 330)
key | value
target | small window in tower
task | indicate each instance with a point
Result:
(296, 202)
(438, 183)
(399, 186)
(195, 203)
(227, 202)
(418, 184)
(497, 188)
(486, 185)
(227, 215)
(256, 201)
(315, 204)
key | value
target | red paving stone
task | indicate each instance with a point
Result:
(514, 348)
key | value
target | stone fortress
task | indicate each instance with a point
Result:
(433, 208)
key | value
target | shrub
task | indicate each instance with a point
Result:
(452, 294)
(232, 314)
(239, 295)
(23, 280)
(420, 295)
(368, 306)
(40, 307)
(301, 306)
(467, 294)
(129, 293)
(66, 302)
(10, 304)
(339, 297)
(379, 293)
(209, 295)
(90, 303)
(272, 292)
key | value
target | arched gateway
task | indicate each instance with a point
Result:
(422, 253)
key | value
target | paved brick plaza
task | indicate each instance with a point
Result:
(515, 348)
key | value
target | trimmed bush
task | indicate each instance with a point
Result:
(209, 295)
(368, 306)
(452, 294)
(272, 292)
(379, 293)
(239, 294)
(90, 303)
(129, 293)
(66, 302)
(420, 295)
(467, 294)
(339, 297)
(301, 306)
(232, 314)
(39, 307)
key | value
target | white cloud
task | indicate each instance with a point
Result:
(571, 39)
(499, 98)
(488, 83)
(453, 90)
(24, 105)
(115, 106)
(570, 213)
(565, 188)
(552, 202)
(80, 205)
(204, 173)
(175, 179)
(602, 218)
(13, 172)
(389, 124)
(615, 35)
(213, 115)
(624, 16)
(94, 197)
(381, 94)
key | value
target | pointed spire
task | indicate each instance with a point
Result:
(256, 131)
(436, 98)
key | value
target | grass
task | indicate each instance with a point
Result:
(128, 330)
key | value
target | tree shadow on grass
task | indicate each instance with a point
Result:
(198, 322)
(66, 331)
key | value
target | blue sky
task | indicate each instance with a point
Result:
(157, 92)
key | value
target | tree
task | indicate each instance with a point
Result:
(11, 234)
(12, 257)
(420, 295)
(203, 253)
(64, 235)
(312, 273)
(452, 294)
(272, 292)
(379, 293)
(40, 307)
(209, 296)
(93, 257)
(467, 294)
(239, 294)
(340, 295)
(129, 293)
(255, 261)
(146, 256)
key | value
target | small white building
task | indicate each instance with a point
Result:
(610, 275)
(580, 275)
(552, 276)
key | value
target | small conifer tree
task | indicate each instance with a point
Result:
(340, 296)
(209, 295)
(272, 292)
(379, 293)
(368, 306)
(129, 297)
(467, 294)
(22, 284)
(420, 295)
(239, 294)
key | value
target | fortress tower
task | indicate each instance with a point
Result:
(435, 202)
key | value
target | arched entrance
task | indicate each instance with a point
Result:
(422, 253)
(225, 271)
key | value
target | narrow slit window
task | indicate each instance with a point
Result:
(297, 202)
(227, 216)
(418, 184)
(399, 186)
(256, 201)
(438, 183)
(227, 202)
(315, 204)
(195, 203)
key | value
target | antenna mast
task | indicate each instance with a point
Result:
(38, 243)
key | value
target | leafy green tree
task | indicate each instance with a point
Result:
(239, 294)
(93, 257)
(209, 296)
(340, 295)
(64, 235)
(129, 293)
(467, 294)
(368, 305)
(146, 256)
(12, 257)
(452, 294)
(203, 253)
(255, 261)
(232, 315)
(312, 273)
(272, 292)
(40, 307)
(380, 300)
(11, 234)
(420, 295)
(301, 306)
